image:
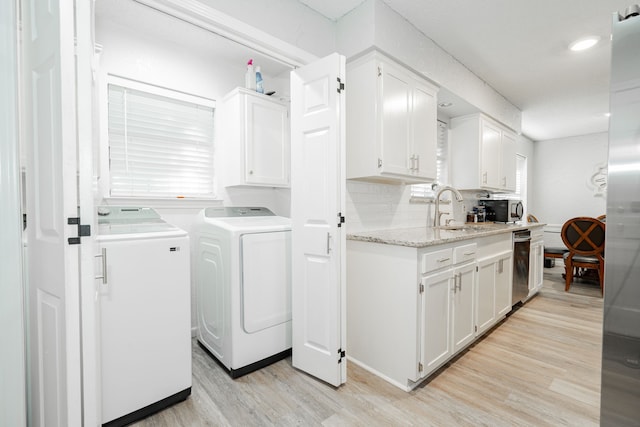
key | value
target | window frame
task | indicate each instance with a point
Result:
(103, 179)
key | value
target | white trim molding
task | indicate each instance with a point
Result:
(203, 16)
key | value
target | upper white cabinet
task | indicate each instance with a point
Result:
(483, 154)
(391, 122)
(254, 139)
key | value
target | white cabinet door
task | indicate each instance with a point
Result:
(536, 266)
(485, 295)
(483, 154)
(504, 280)
(463, 321)
(254, 135)
(267, 142)
(436, 320)
(508, 165)
(395, 89)
(491, 155)
(424, 131)
(317, 201)
(392, 129)
(493, 293)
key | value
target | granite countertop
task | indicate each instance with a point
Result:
(420, 237)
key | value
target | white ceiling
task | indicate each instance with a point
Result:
(520, 48)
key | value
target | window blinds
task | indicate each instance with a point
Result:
(158, 146)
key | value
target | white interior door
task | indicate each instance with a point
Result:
(50, 134)
(317, 201)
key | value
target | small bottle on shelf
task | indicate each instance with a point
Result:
(259, 83)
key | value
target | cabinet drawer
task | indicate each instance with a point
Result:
(465, 253)
(436, 260)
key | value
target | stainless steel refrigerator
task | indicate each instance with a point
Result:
(620, 397)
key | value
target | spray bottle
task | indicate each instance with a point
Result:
(250, 76)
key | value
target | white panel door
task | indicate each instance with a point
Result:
(317, 200)
(50, 135)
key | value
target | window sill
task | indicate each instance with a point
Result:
(166, 202)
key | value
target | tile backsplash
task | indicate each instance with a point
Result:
(372, 206)
(381, 206)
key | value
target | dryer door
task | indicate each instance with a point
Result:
(266, 280)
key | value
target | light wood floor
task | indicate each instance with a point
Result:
(540, 367)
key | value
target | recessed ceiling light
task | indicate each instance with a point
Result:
(445, 104)
(584, 43)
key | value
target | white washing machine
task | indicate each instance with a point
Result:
(242, 267)
(145, 313)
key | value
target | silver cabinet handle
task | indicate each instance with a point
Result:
(103, 255)
(443, 259)
(328, 243)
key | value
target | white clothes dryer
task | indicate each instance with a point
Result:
(242, 268)
(145, 313)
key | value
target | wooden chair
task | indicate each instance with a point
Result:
(602, 218)
(532, 218)
(584, 237)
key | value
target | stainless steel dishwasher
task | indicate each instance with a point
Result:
(521, 248)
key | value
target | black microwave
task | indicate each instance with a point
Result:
(506, 210)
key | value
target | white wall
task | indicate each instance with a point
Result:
(561, 174)
(375, 24)
(12, 332)
(287, 20)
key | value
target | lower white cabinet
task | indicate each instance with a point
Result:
(493, 293)
(536, 261)
(446, 309)
(411, 310)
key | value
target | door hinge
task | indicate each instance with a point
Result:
(341, 355)
(379, 163)
(340, 85)
(84, 230)
(340, 219)
(420, 288)
(379, 71)
(420, 367)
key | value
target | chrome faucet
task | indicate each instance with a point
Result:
(436, 220)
